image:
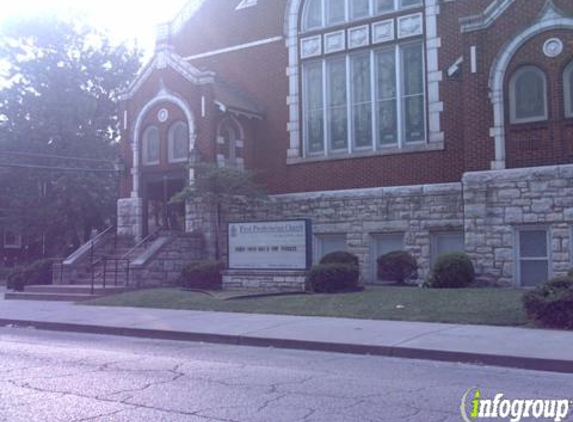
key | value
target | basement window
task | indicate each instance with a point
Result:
(446, 242)
(533, 256)
(329, 243)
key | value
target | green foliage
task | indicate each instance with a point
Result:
(452, 270)
(221, 187)
(340, 257)
(203, 275)
(38, 272)
(398, 266)
(332, 278)
(59, 99)
(551, 303)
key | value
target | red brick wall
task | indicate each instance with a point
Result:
(260, 72)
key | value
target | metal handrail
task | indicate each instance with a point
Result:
(141, 242)
(116, 272)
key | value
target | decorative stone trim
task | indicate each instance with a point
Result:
(435, 75)
(333, 42)
(383, 31)
(165, 57)
(431, 146)
(550, 18)
(553, 47)
(358, 36)
(162, 96)
(410, 25)
(485, 19)
(277, 281)
(311, 47)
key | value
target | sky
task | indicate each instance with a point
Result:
(125, 19)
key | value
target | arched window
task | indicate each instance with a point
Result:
(151, 153)
(528, 95)
(363, 87)
(321, 13)
(178, 143)
(230, 143)
(568, 87)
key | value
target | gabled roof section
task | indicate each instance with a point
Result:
(165, 57)
(228, 98)
(487, 17)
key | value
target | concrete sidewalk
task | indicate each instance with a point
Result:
(548, 350)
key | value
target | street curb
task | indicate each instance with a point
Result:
(537, 364)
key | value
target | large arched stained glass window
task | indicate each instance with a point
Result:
(363, 86)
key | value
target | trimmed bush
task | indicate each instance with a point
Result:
(332, 278)
(451, 271)
(551, 303)
(398, 266)
(206, 275)
(340, 257)
(38, 272)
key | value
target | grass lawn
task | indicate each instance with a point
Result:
(463, 306)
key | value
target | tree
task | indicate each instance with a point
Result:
(58, 99)
(221, 188)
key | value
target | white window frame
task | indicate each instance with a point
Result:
(567, 75)
(434, 254)
(15, 245)
(319, 238)
(397, 6)
(171, 143)
(517, 250)
(145, 150)
(513, 98)
(400, 98)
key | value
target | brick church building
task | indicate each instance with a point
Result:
(424, 125)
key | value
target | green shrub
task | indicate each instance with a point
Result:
(206, 275)
(452, 270)
(38, 272)
(340, 257)
(551, 303)
(398, 266)
(331, 278)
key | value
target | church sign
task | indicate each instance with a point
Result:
(270, 245)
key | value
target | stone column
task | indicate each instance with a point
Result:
(130, 217)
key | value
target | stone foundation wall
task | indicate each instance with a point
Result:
(414, 211)
(488, 207)
(278, 281)
(499, 203)
(162, 261)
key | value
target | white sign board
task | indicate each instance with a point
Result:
(266, 245)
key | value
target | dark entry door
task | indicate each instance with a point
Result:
(159, 213)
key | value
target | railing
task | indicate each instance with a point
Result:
(116, 270)
(142, 243)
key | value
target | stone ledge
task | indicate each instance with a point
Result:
(264, 280)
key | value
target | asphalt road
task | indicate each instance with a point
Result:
(52, 377)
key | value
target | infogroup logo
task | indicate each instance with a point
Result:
(475, 407)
